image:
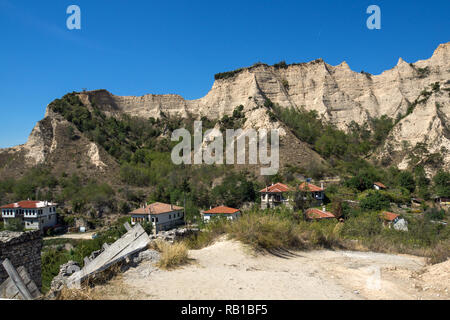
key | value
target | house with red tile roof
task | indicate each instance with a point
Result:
(35, 215)
(389, 218)
(318, 193)
(163, 216)
(275, 195)
(221, 211)
(317, 214)
(379, 186)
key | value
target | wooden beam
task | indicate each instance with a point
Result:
(15, 277)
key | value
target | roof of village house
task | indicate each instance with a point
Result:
(380, 185)
(389, 216)
(156, 208)
(222, 210)
(28, 204)
(313, 213)
(276, 188)
(309, 187)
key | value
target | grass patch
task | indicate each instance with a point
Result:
(172, 255)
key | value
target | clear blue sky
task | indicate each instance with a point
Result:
(140, 47)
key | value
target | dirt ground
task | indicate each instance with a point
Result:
(76, 236)
(227, 270)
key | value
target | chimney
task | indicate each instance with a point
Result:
(171, 206)
(324, 209)
(321, 185)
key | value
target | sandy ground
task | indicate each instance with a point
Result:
(76, 236)
(227, 271)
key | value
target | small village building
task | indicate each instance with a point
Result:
(318, 193)
(317, 214)
(275, 195)
(35, 215)
(389, 218)
(278, 194)
(379, 186)
(443, 201)
(394, 220)
(163, 216)
(222, 211)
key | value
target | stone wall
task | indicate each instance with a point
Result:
(22, 249)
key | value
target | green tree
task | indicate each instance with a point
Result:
(406, 180)
(375, 200)
(442, 183)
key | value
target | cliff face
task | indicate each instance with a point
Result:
(337, 93)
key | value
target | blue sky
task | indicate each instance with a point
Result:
(140, 47)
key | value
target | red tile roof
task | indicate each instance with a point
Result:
(27, 204)
(276, 188)
(389, 216)
(380, 185)
(222, 210)
(156, 208)
(314, 213)
(309, 187)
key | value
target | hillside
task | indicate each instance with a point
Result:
(338, 94)
(333, 122)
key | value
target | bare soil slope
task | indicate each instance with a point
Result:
(227, 270)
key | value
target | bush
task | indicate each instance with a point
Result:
(265, 232)
(172, 255)
(375, 200)
(362, 226)
(14, 224)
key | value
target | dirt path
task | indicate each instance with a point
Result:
(76, 236)
(227, 270)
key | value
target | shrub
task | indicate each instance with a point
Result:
(375, 200)
(265, 232)
(362, 226)
(14, 224)
(172, 255)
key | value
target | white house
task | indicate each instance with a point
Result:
(163, 216)
(35, 215)
(274, 195)
(222, 211)
(278, 194)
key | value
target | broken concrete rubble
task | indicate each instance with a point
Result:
(175, 234)
(65, 271)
